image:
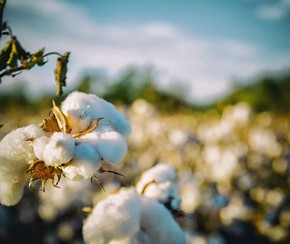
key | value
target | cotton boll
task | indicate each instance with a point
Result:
(15, 154)
(39, 145)
(159, 183)
(33, 131)
(114, 219)
(127, 217)
(10, 194)
(161, 176)
(59, 150)
(12, 182)
(86, 161)
(164, 193)
(15, 146)
(119, 122)
(110, 144)
(160, 173)
(78, 107)
(79, 121)
(158, 192)
(82, 109)
(157, 224)
(11, 191)
(123, 241)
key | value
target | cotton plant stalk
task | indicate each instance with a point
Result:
(74, 141)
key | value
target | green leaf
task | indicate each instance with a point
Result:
(36, 58)
(22, 54)
(12, 61)
(5, 54)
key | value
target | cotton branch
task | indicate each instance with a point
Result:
(14, 58)
(2, 6)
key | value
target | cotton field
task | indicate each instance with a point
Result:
(203, 177)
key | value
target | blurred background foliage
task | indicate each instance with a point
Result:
(232, 158)
(267, 93)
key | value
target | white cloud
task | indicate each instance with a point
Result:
(205, 66)
(279, 9)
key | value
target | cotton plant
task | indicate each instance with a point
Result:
(129, 217)
(74, 141)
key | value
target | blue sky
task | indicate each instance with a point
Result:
(201, 45)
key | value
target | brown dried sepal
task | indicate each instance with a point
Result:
(146, 186)
(57, 122)
(90, 129)
(50, 125)
(42, 172)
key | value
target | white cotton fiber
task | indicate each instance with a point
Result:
(159, 192)
(82, 109)
(39, 145)
(114, 219)
(15, 147)
(13, 180)
(59, 150)
(159, 183)
(157, 225)
(110, 144)
(85, 163)
(15, 155)
(11, 190)
(127, 217)
(160, 173)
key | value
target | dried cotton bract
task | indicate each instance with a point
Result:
(74, 141)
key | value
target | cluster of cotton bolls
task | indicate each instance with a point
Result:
(234, 165)
(86, 131)
(138, 216)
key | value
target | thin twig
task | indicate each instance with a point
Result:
(2, 6)
(11, 71)
(52, 53)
